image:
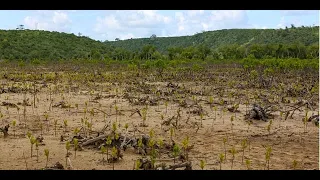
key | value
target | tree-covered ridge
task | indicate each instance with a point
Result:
(216, 39)
(302, 43)
(30, 44)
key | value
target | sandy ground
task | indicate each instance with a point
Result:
(287, 138)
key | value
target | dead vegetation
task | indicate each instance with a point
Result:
(172, 122)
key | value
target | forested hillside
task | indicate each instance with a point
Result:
(30, 44)
(294, 42)
(216, 39)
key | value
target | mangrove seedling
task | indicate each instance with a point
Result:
(114, 154)
(37, 149)
(225, 139)
(158, 95)
(269, 127)
(210, 100)
(248, 163)
(194, 98)
(162, 117)
(268, 154)
(55, 126)
(249, 124)
(75, 143)
(32, 142)
(232, 119)
(202, 164)
(126, 126)
(151, 133)
(233, 151)
(243, 146)
(281, 115)
(175, 152)
(67, 148)
(89, 127)
(65, 123)
(46, 116)
(76, 131)
(34, 95)
(46, 153)
(14, 122)
(166, 104)
(223, 113)
(1, 116)
(103, 150)
(108, 143)
(215, 114)
(140, 143)
(305, 121)
(116, 136)
(138, 164)
(84, 112)
(116, 108)
(114, 127)
(144, 116)
(92, 114)
(18, 110)
(247, 104)
(41, 128)
(294, 164)
(29, 134)
(236, 107)
(151, 144)
(185, 145)
(221, 159)
(171, 132)
(160, 144)
(153, 158)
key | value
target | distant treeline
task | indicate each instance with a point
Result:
(30, 45)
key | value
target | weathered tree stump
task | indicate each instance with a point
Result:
(5, 131)
(258, 113)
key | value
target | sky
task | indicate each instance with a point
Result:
(125, 24)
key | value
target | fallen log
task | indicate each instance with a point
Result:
(187, 165)
(11, 105)
(136, 111)
(91, 141)
(315, 119)
(57, 166)
(5, 131)
(168, 122)
(258, 113)
(62, 104)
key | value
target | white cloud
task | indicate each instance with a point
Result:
(131, 24)
(299, 12)
(194, 12)
(49, 20)
(190, 22)
(60, 18)
(235, 16)
(205, 26)
(256, 26)
(127, 36)
(106, 24)
(126, 24)
(284, 22)
(181, 28)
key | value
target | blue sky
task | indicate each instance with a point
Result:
(110, 24)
